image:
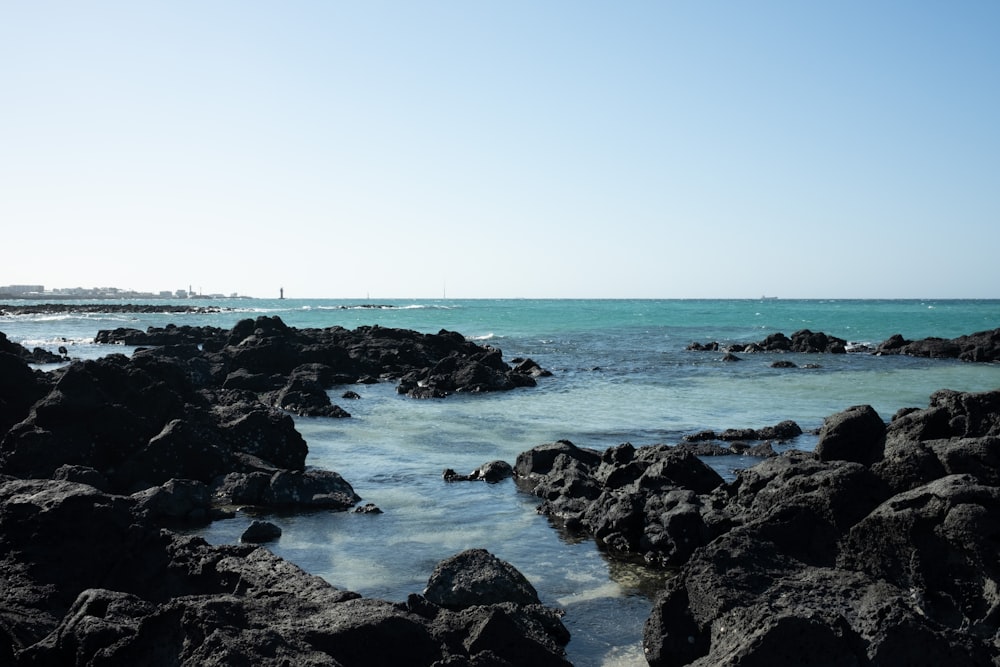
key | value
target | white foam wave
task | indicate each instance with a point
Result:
(625, 656)
(608, 590)
(55, 342)
(489, 336)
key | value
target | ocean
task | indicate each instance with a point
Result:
(620, 373)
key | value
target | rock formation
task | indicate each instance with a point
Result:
(98, 459)
(89, 580)
(982, 346)
(877, 549)
(292, 368)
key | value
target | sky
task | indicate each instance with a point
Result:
(552, 149)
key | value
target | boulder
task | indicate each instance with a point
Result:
(953, 520)
(856, 434)
(477, 577)
(308, 489)
(177, 500)
(260, 531)
(636, 502)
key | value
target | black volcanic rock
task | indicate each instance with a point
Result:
(260, 531)
(138, 423)
(20, 388)
(293, 368)
(856, 434)
(88, 581)
(880, 548)
(477, 577)
(982, 346)
(636, 502)
(90, 577)
(801, 341)
(492, 472)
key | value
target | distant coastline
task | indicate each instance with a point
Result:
(53, 307)
(39, 293)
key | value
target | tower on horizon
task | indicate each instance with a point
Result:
(281, 292)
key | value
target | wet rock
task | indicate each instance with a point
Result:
(804, 341)
(259, 532)
(982, 346)
(492, 472)
(783, 431)
(367, 508)
(308, 489)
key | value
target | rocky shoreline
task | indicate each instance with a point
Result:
(54, 308)
(982, 346)
(99, 459)
(878, 548)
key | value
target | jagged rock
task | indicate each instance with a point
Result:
(982, 346)
(813, 559)
(88, 581)
(492, 472)
(83, 475)
(367, 508)
(637, 502)
(255, 354)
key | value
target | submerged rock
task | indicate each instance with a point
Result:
(492, 472)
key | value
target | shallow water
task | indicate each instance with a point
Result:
(620, 374)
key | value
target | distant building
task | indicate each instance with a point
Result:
(22, 289)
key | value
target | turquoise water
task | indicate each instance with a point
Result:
(620, 374)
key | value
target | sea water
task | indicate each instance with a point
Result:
(621, 373)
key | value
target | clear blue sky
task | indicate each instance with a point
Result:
(504, 149)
